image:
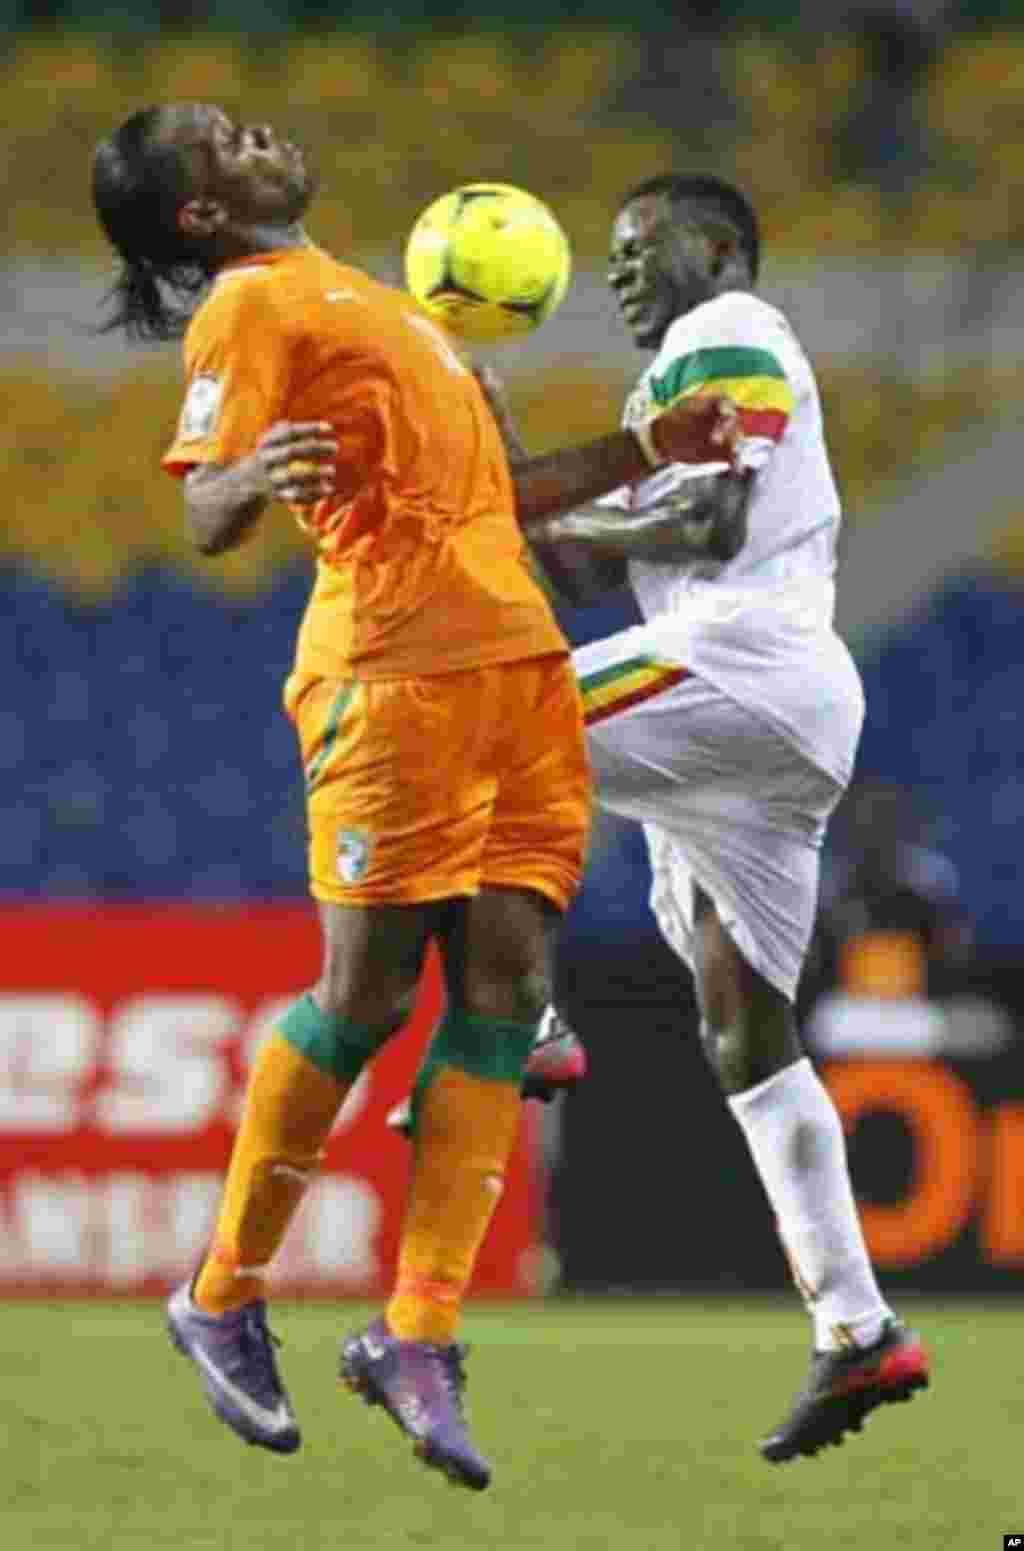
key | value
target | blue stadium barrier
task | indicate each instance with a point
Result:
(144, 752)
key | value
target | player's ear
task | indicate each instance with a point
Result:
(721, 253)
(727, 261)
(201, 217)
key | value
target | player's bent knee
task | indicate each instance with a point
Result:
(520, 998)
(381, 999)
(533, 992)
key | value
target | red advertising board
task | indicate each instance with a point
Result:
(125, 1037)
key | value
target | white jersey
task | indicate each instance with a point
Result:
(758, 628)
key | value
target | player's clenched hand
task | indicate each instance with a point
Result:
(297, 458)
(702, 429)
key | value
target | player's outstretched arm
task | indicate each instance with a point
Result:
(493, 390)
(705, 519)
(702, 429)
(293, 462)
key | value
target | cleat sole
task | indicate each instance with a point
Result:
(427, 1455)
(422, 1448)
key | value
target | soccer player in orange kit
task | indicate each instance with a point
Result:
(435, 704)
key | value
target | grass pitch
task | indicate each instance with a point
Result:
(613, 1426)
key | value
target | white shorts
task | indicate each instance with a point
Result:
(725, 799)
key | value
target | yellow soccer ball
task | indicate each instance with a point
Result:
(488, 261)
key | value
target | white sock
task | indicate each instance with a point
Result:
(796, 1139)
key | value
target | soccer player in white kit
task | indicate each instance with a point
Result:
(727, 724)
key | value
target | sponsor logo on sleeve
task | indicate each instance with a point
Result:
(201, 409)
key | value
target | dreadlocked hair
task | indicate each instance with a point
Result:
(138, 187)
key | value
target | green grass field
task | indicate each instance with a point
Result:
(613, 1426)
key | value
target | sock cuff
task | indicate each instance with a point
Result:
(797, 1073)
(492, 1048)
(336, 1046)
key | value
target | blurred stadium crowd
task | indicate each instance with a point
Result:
(142, 753)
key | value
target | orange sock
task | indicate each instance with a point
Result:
(290, 1107)
(466, 1128)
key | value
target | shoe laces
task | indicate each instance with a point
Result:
(259, 1341)
(453, 1372)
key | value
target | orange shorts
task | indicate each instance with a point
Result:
(429, 788)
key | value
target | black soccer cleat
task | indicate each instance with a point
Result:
(844, 1386)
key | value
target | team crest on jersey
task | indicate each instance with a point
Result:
(201, 408)
(353, 858)
(639, 405)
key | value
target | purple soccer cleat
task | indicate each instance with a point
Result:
(420, 1386)
(235, 1356)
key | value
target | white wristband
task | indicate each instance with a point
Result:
(642, 432)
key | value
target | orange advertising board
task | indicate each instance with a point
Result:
(968, 1162)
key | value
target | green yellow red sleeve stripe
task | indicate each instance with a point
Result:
(625, 684)
(753, 379)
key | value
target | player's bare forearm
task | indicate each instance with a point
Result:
(696, 430)
(705, 520)
(493, 390)
(293, 462)
(223, 504)
(717, 524)
(560, 481)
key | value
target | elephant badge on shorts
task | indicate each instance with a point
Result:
(353, 854)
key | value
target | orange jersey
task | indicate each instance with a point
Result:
(421, 566)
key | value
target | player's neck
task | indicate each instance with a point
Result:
(250, 240)
(734, 283)
(733, 280)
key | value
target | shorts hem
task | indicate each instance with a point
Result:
(746, 942)
(559, 895)
(399, 894)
